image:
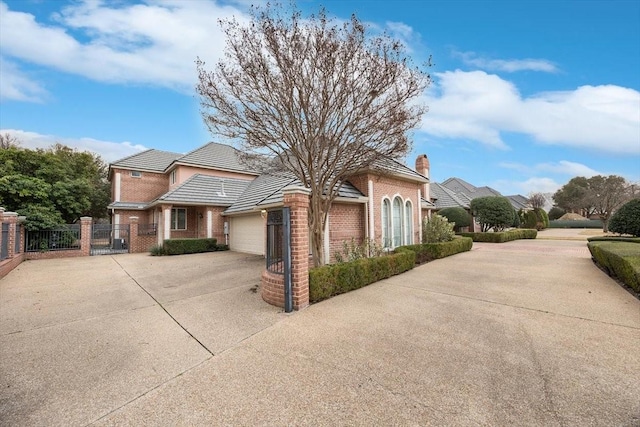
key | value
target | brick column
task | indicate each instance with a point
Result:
(85, 235)
(133, 234)
(11, 218)
(297, 200)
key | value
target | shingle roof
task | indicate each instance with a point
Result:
(149, 160)
(258, 190)
(458, 185)
(518, 201)
(216, 156)
(445, 198)
(206, 190)
(267, 190)
(395, 167)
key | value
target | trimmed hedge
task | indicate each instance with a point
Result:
(429, 251)
(504, 236)
(614, 239)
(618, 259)
(188, 246)
(336, 279)
(580, 223)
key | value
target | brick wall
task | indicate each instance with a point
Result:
(389, 187)
(346, 221)
(148, 187)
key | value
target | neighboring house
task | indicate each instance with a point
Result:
(456, 192)
(208, 192)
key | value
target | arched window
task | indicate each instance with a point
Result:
(386, 223)
(408, 224)
(397, 222)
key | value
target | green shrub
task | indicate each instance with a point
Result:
(580, 223)
(555, 213)
(187, 246)
(530, 219)
(335, 279)
(429, 251)
(618, 259)
(542, 217)
(504, 236)
(437, 229)
(492, 212)
(458, 216)
(352, 251)
(626, 220)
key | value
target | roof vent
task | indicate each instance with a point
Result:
(222, 193)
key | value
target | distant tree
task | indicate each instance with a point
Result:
(537, 200)
(53, 186)
(555, 213)
(323, 97)
(626, 220)
(574, 196)
(458, 216)
(8, 141)
(493, 212)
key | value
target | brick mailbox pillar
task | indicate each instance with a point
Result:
(297, 200)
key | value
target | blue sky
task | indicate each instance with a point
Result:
(526, 95)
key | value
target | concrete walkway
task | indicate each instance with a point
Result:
(522, 333)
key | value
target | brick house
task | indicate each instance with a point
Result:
(208, 192)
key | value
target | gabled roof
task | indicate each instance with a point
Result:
(483, 192)
(458, 185)
(206, 190)
(215, 156)
(149, 160)
(445, 198)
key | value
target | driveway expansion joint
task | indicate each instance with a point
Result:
(163, 308)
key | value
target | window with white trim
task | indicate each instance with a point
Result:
(136, 174)
(408, 223)
(172, 177)
(397, 221)
(386, 223)
(178, 218)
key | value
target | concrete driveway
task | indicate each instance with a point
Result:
(522, 333)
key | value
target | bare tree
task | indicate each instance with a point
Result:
(324, 98)
(608, 193)
(8, 141)
(537, 200)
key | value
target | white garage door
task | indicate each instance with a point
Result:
(247, 234)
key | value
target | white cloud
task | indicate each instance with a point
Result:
(506, 65)
(153, 43)
(531, 185)
(15, 85)
(108, 150)
(480, 106)
(562, 167)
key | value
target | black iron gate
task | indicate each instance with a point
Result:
(108, 239)
(279, 250)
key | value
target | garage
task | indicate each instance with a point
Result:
(247, 234)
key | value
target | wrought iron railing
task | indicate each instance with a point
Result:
(4, 242)
(275, 242)
(18, 239)
(59, 239)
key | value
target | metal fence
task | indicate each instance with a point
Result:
(4, 244)
(147, 229)
(18, 239)
(58, 239)
(275, 242)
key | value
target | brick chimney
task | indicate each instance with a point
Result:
(422, 167)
